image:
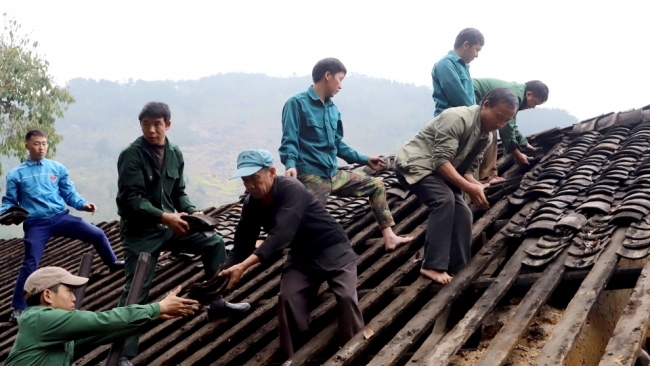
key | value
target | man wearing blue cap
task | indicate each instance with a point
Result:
(150, 200)
(320, 249)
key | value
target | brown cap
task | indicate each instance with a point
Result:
(47, 277)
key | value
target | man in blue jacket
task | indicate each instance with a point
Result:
(43, 188)
(452, 85)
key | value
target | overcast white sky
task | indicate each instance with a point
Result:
(594, 55)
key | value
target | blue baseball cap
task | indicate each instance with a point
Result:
(250, 162)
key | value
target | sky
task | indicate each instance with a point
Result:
(593, 55)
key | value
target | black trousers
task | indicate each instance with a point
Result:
(449, 226)
(298, 288)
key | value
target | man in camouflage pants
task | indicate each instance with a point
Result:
(312, 134)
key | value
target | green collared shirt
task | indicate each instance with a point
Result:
(452, 85)
(511, 137)
(448, 138)
(145, 192)
(48, 336)
(312, 136)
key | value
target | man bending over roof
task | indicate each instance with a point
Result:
(312, 139)
(530, 95)
(50, 328)
(151, 199)
(320, 249)
(43, 188)
(437, 165)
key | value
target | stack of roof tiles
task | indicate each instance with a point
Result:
(580, 204)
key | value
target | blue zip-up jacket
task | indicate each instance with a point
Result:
(43, 188)
(452, 85)
(312, 134)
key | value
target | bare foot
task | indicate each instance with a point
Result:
(392, 241)
(442, 278)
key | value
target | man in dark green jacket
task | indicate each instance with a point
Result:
(151, 200)
(50, 328)
(530, 95)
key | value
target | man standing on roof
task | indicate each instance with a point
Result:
(452, 85)
(312, 139)
(150, 200)
(43, 188)
(437, 165)
(320, 249)
(530, 95)
(50, 329)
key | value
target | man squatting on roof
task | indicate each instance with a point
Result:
(312, 139)
(437, 165)
(50, 329)
(43, 188)
(320, 249)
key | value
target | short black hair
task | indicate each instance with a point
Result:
(539, 89)
(155, 110)
(331, 64)
(501, 95)
(471, 35)
(35, 300)
(34, 133)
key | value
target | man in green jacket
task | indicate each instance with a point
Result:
(50, 328)
(312, 140)
(530, 95)
(151, 200)
(437, 165)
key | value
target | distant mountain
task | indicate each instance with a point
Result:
(216, 117)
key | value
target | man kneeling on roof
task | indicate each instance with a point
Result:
(50, 328)
(437, 165)
(320, 249)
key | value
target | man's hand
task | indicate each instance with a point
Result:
(530, 148)
(90, 207)
(291, 172)
(475, 192)
(172, 306)
(376, 163)
(197, 213)
(174, 222)
(235, 272)
(520, 158)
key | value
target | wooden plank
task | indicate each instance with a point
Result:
(566, 332)
(424, 319)
(442, 353)
(501, 346)
(266, 355)
(350, 351)
(493, 214)
(625, 344)
(436, 335)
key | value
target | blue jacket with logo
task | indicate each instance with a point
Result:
(43, 188)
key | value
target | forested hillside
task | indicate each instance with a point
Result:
(216, 117)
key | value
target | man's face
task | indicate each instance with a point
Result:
(62, 299)
(154, 129)
(37, 147)
(470, 52)
(260, 183)
(334, 82)
(531, 101)
(495, 117)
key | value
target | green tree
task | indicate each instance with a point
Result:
(29, 98)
